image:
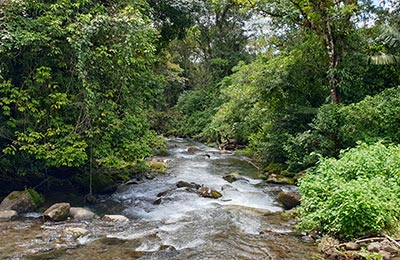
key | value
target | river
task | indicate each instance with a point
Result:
(167, 222)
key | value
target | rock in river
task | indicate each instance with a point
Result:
(289, 200)
(76, 231)
(115, 218)
(233, 177)
(79, 213)
(6, 215)
(191, 185)
(20, 201)
(192, 149)
(209, 193)
(57, 212)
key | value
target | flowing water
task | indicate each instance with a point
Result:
(167, 222)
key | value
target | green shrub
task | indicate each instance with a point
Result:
(37, 198)
(357, 194)
(337, 127)
(372, 118)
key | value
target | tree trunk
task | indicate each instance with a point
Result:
(333, 63)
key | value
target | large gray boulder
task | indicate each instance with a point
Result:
(20, 201)
(57, 212)
(7, 215)
(79, 213)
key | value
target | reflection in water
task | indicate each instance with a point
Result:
(172, 223)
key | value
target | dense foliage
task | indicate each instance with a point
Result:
(76, 77)
(336, 127)
(269, 99)
(354, 195)
(210, 49)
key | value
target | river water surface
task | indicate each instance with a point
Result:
(167, 222)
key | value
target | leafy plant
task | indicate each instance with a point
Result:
(37, 198)
(337, 127)
(354, 195)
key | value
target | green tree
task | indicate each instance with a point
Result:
(76, 78)
(270, 98)
(333, 21)
(172, 18)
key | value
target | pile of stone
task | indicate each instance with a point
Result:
(20, 202)
(17, 202)
(383, 247)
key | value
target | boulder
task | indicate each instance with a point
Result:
(57, 212)
(192, 149)
(131, 182)
(20, 201)
(157, 166)
(230, 178)
(7, 215)
(167, 248)
(191, 185)
(385, 255)
(389, 247)
(233, 177)
(76, 231)
(209, 193)
(374, 247)
(79, 213)
(352, 246)
(277, 179)
(115, 218)
(289, 200)
(158, 201)
(165, 193)
(150, 176)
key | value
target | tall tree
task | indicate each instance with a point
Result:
(332, 20)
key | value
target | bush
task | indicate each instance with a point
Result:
(37, 198)
(357, 194)
(372, 118)
(337, 127)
